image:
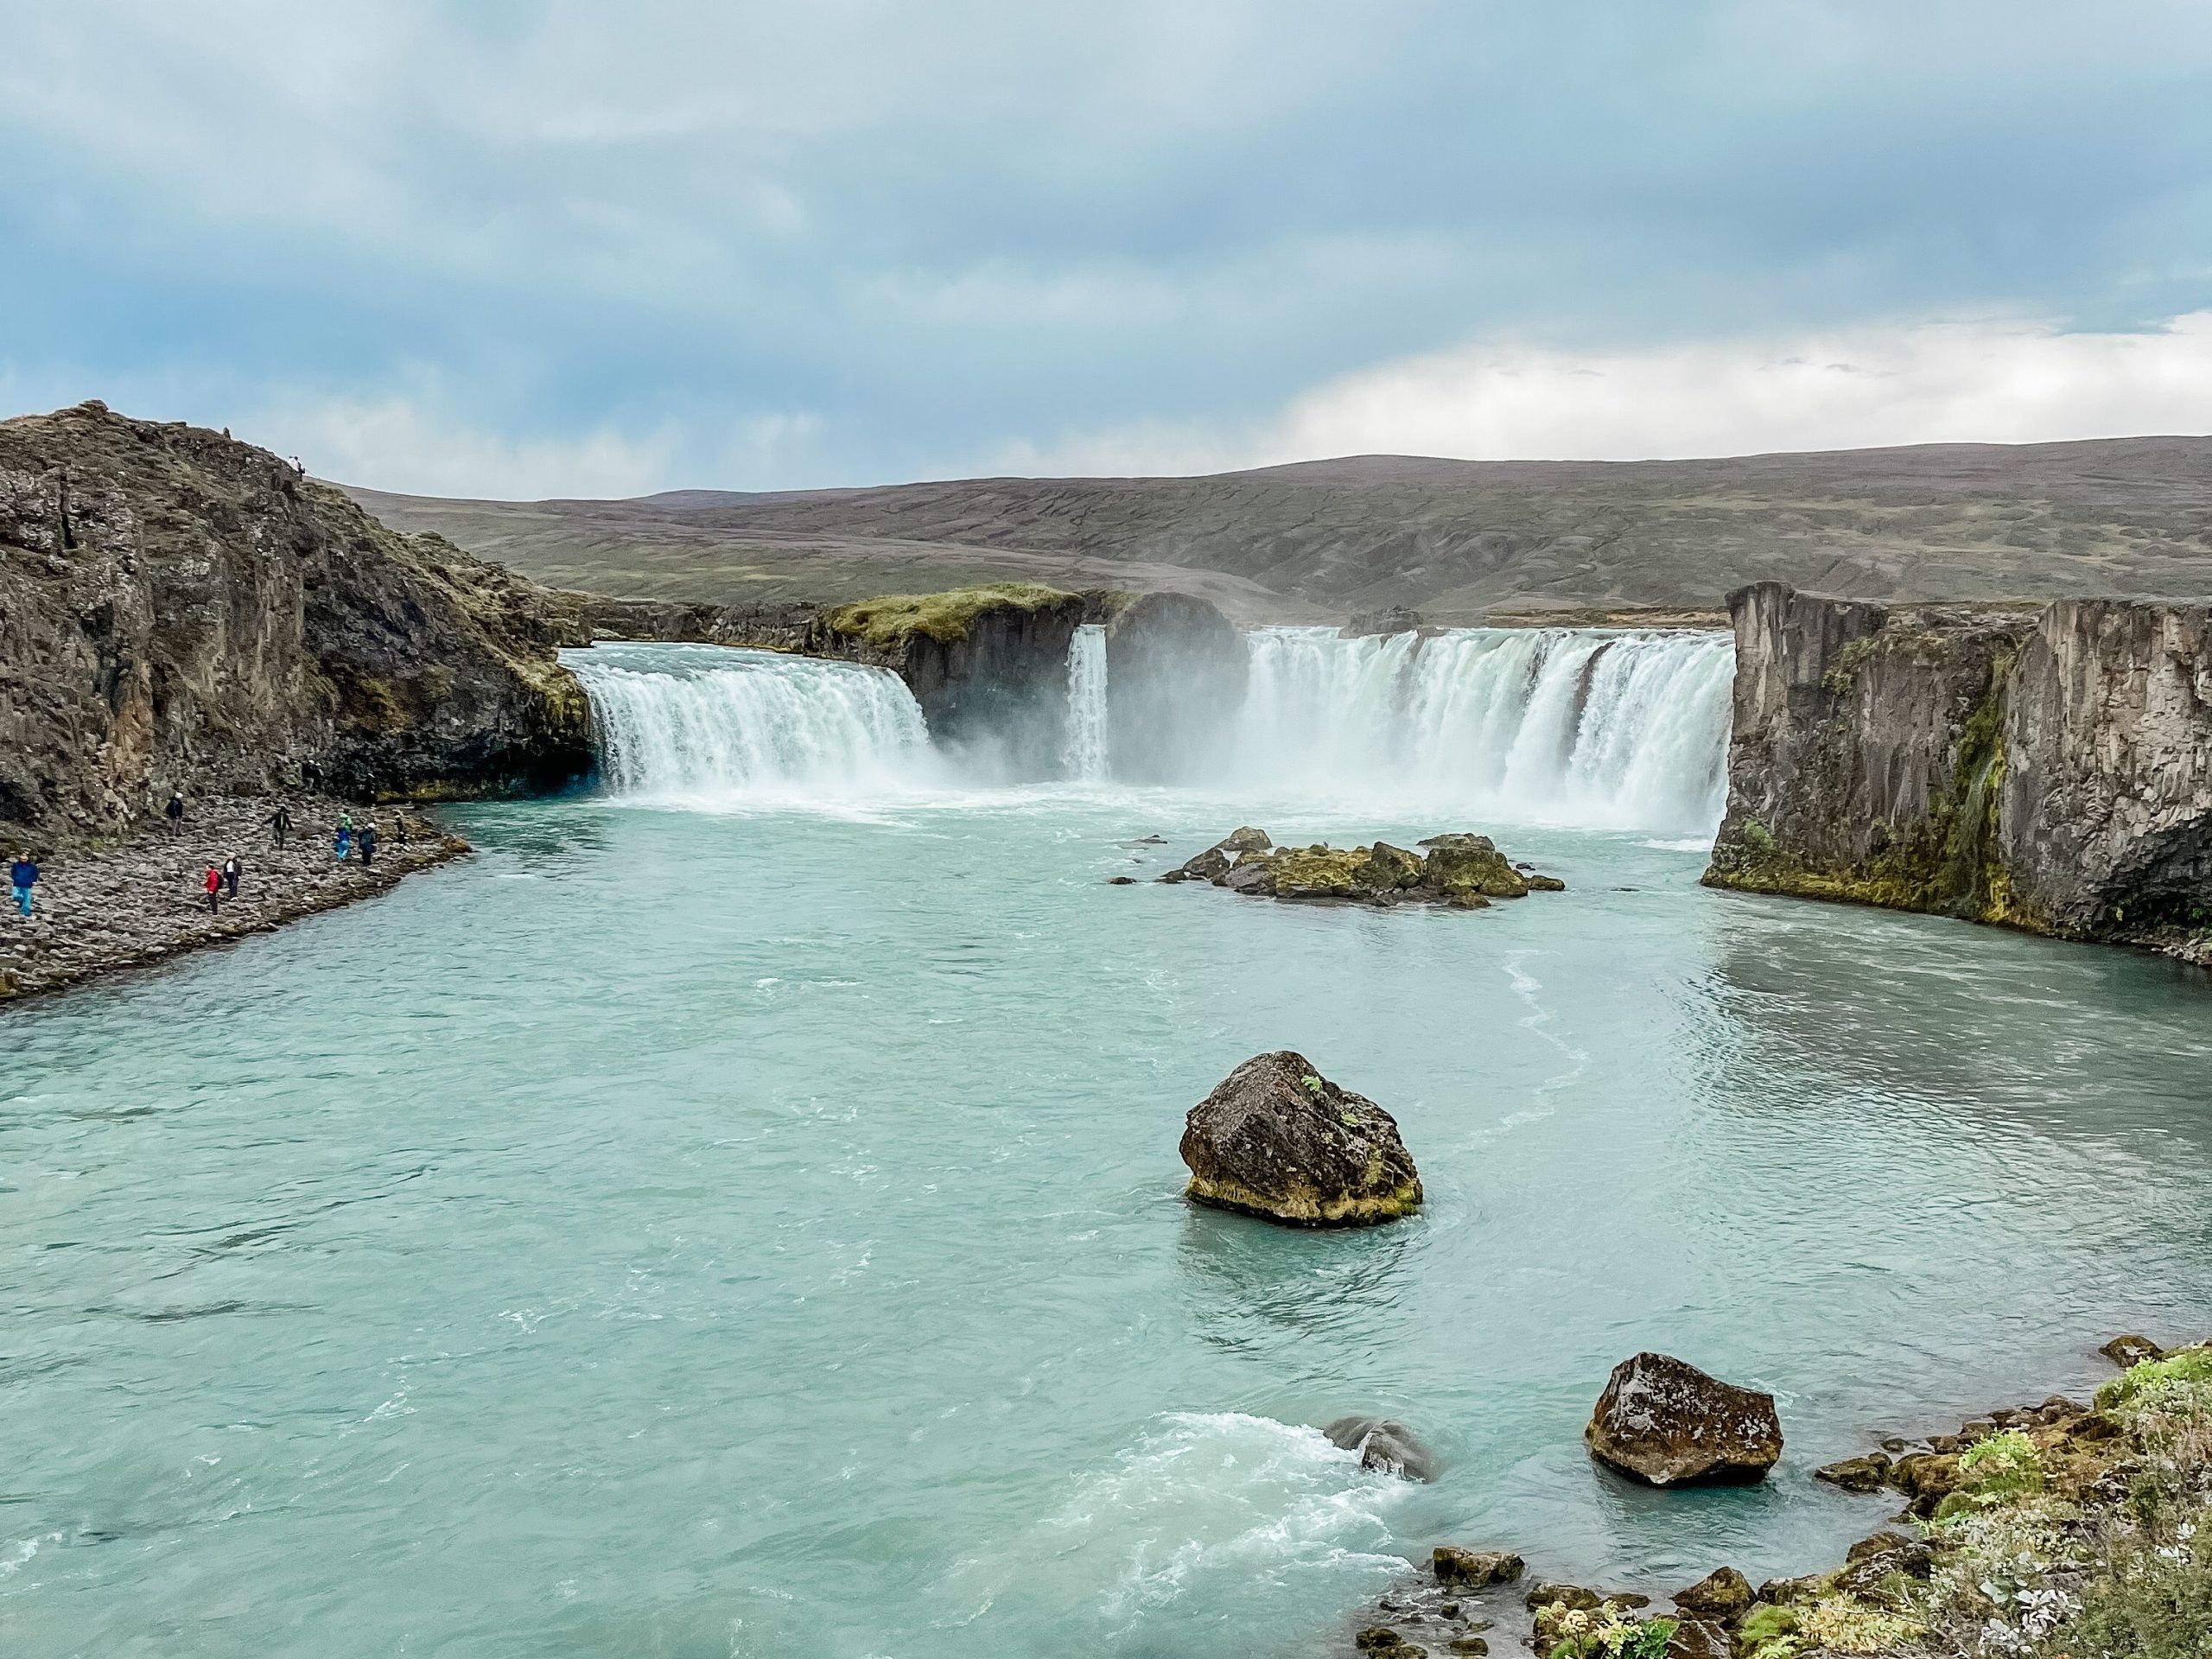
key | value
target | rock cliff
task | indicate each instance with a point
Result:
(1175, 675)
(181, 610)
(2048, 769)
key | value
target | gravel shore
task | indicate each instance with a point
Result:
(99, 910)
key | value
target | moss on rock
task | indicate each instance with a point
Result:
(891, 619)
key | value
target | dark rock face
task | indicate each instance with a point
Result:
(1384, 1444)
(1391, 619)
(988, 665)
(1475, 1569)
(1276, 1139)
(1175, 677)
(177, 609)
(1665, 1422)
(2050, 770)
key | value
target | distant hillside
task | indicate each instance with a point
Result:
(1460, 539)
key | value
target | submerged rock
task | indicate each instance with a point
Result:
(2131, 1350)
(1275, 1139)
(1863, 1474)
(1663, 1421)
(1383, 1444)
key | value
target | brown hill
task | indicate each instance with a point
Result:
(1460, 539)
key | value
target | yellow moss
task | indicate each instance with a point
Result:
(894, 619)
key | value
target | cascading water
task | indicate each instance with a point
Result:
(1597, 728)
(1086, 750)
(714, 725)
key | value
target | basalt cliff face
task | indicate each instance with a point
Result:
(181, 610)
(2050, 769)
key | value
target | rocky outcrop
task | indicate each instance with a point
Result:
(2048, 769)
(178, 609)
(1175, 677)
(1391, 619)
(1276, 1139)
(1665, 1422)
(1383, 1444)
(988, 665)
(1463, 871)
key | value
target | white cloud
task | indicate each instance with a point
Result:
(2003, 381)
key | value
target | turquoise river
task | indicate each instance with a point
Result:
(738, 1213)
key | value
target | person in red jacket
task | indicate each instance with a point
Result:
(214, 886)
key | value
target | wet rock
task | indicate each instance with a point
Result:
(1722, 1595)
(1254, 880)
(1783, 1593)
(2131, 1350)
(1209, 866)
(1391, 619)
(1475, 1569)
(1868, 1473)
(1120, 881)
(1699, 1638)
(1380, 1638)
(1664, 1421)
(1927, 1477)
(1466, 1644)
(1572, 1596)
(1383, 1444)
(1245, 839)
(1463, 863)
(1276, 1139)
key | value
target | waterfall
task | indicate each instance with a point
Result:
(1086, 749)
(714, 725)
(1594, 728)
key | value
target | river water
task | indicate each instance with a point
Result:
(738, 1212)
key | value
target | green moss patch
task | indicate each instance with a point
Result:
(894, 619)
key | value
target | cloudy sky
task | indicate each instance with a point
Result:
(509, 249)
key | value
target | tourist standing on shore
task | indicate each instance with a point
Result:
(344, 844)
(214, 887)
(22, 874)
(368, 842)
(175, 812)
(280, 824)
(231, 877)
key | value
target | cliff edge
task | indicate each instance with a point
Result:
(178, 609)
(2047, 770)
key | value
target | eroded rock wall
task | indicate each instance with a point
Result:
(1176, 670)
(181, 610)
(2051, 771)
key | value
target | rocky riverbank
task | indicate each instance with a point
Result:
(2062, 1529)
(98, 910)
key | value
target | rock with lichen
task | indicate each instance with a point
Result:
(1663, 1421)
(1276, 1139)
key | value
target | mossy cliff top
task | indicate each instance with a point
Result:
(893, 620)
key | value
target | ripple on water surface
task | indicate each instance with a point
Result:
(681, 1233)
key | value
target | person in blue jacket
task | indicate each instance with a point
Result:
(24, 874)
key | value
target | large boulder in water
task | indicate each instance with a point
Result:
(1663, 1421)
(1384, 1444)
(1276, 1139)
(1470, 865)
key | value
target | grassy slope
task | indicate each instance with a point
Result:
(1460, 538)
